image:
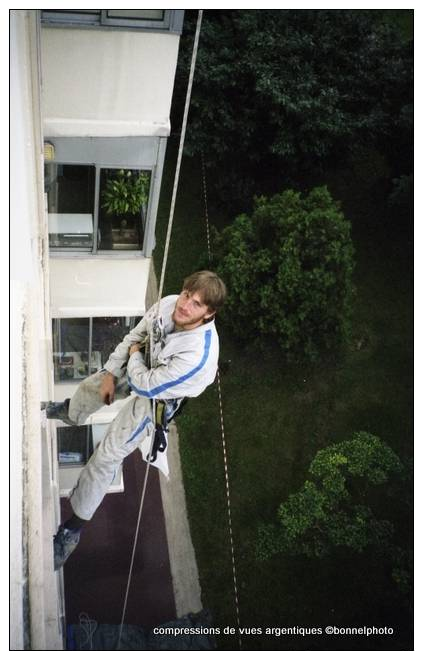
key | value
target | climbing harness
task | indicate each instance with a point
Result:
(163, 272)
(163, 421)
(160, 442)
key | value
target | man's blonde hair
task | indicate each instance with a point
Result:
(211, 288)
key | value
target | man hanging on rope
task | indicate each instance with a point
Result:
(183, 363)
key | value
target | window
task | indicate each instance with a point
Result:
(71, 342)
(93, 208)
(136, 14)
(170, 20)
(123, 208)
(70, 192)
(77, 171)
(74, 445)
(82, 346)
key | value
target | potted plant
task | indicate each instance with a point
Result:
(125, 195)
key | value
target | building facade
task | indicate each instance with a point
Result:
(91, 93)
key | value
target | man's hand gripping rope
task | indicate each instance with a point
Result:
(108, 384)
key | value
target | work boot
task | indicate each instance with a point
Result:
(64, 543)
(58, 410)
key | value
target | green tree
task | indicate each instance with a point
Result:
(288, 269)
(281, 92)
(332, 509)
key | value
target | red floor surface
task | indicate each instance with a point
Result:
(96, 574)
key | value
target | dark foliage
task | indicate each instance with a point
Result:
(279, 93)
(288, 269)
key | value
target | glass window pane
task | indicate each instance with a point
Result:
(108, 332)
(71, 344)
(138, 14)
(78, 11)
(123, 207)
(71, 16)
(73, 11)
(70, 192)
(70, 349)
(74, 445)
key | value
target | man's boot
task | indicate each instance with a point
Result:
(64, 543)
(58, 411)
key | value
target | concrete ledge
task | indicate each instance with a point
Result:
(183, 565)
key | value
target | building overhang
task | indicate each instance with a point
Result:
(98, 287)
(71, 128)
(107, 83)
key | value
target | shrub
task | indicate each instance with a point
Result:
(332, 509)
(288, 268)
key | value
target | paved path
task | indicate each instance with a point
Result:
(96, 573)
(183, 565)
(165, 580)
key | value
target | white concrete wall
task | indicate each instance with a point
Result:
(96, 286)
(105, 82)
(35, 599)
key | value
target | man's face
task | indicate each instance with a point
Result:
(190, 311)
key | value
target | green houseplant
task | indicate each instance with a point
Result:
(125, 194)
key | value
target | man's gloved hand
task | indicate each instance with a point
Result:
(107, 389)
(135, 348)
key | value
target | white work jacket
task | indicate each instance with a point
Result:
(184, 361)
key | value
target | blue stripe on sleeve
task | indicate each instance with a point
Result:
(182, 378)
(139, 429)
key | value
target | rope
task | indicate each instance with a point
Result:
(138, 525)
(222, 425)
(162, 277)
(180, 151)
(206, 209)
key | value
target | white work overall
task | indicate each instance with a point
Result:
(185, 363)
(125, 433)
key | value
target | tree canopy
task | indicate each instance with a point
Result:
(288, 268)
(295, 89)
(332, 509)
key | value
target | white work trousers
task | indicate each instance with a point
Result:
(131, 425)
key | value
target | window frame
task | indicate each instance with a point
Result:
(79, 249)
(172, 21)
(56, 328)
(89, 446)
(145, 23)
(57, 335)
(95, 250)
(70, 18)
(143, 217)
(145, 153)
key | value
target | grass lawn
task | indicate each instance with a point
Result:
(276, 418)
